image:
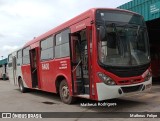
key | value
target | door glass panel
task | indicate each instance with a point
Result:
(80, 63)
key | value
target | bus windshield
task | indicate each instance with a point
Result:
(122, 39)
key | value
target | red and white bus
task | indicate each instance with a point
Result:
(100, 54)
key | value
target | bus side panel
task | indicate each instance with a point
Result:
(64, 69)
(27, 75)
(47, 74)
(19, 75)
(50, 70)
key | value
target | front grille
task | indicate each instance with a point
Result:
(132, 88)
(125, 82)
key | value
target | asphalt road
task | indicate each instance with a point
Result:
(12, 100)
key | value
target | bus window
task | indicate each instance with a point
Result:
(19, 58)
(62, 44)
(47, 49)
(10, 60)
(26, 55)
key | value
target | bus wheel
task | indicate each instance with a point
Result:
(21, 87)
(64, 93)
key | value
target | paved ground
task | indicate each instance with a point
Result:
(11, 99)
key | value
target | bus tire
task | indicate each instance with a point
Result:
(64, 93)
(21, 86)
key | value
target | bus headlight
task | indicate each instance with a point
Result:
(148, 76)
(107, 80)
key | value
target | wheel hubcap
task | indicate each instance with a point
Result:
(65, 91)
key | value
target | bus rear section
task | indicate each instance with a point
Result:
(100, 54)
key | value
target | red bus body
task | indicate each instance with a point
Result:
(50, 72)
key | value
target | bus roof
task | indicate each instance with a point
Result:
(70, 22)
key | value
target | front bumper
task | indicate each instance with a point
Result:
(109, 92)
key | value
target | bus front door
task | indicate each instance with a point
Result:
(34, 64)
(80, 62)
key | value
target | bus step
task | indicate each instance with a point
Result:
(84, 96)
(86, 89)
(82, 89)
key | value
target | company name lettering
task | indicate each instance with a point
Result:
(45, 66)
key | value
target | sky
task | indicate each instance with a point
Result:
(22, 20)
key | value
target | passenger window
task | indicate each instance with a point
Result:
(10, 60)
(62, 44)
(19, 58)
(26, 59)
(47, 48)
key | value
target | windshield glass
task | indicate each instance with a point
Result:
(122, 39)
